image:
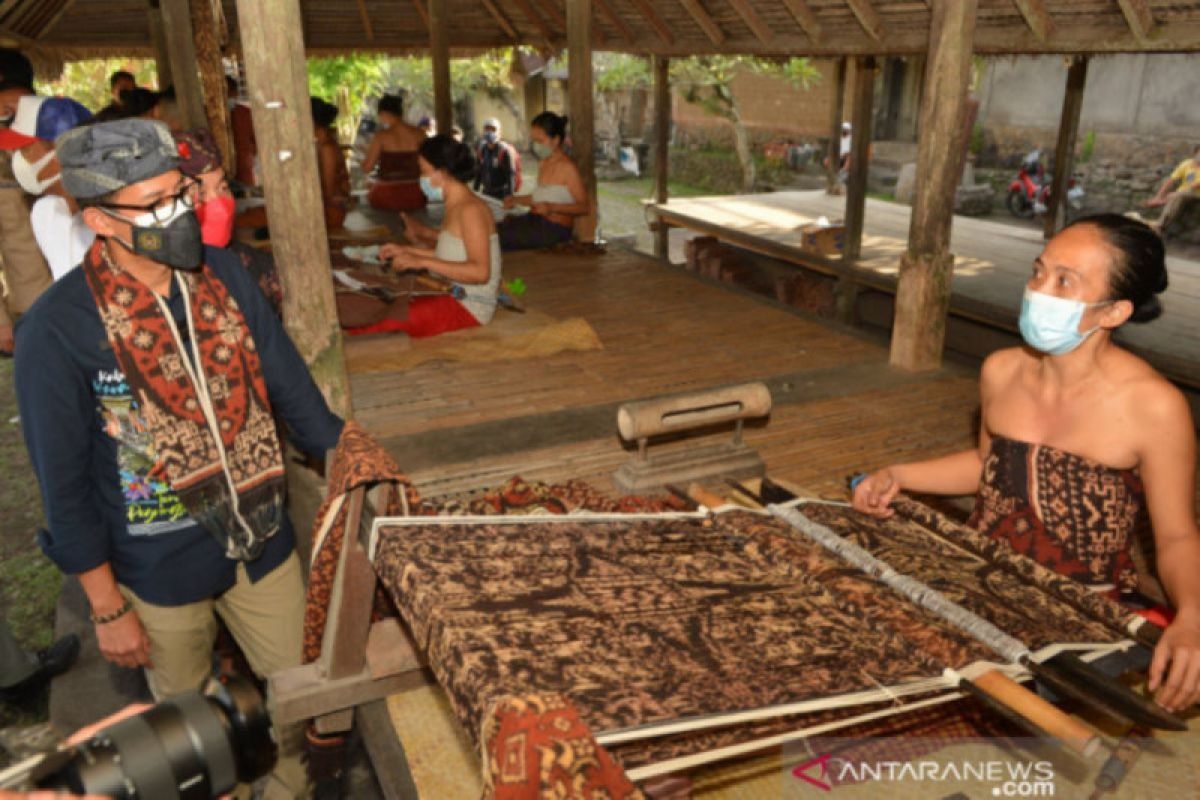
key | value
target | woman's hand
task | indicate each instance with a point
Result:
(1177, 687)
(400, 256)
(874, 494)
(541, 209)
(510, 202)
(124, 641)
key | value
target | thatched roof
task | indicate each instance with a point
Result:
(70, 28)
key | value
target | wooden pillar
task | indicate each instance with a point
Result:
(580, 102)
(860, 150)
(212, 77)
(162, 59)
(1064, 151)
(439, 45)
(836, 110)
(273, 49)
(181, 50)
(926, 269)
(661, 69)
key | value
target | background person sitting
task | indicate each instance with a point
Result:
(1176, 192)
(335, 178)
(466, 249)
(393, 150)
(557, 201)
(499, 174)
(60, 232)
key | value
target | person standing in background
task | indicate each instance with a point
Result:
(26, 275)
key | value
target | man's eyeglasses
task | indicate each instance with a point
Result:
(164, 209)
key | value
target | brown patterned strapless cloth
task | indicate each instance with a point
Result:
(1072, 514)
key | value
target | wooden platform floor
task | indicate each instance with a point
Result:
(992, 262)
(839, 408)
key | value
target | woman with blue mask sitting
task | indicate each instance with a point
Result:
(1082, 445)
(559, 198)
(465, 250)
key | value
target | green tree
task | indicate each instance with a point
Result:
(347, 82)
(707, 81)
(494, 73)
(87, 81)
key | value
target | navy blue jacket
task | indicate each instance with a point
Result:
(101, 502)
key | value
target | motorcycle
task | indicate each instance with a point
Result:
(1029, 192)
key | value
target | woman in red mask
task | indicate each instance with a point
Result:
(199, 158)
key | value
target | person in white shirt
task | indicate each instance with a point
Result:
(57, 226)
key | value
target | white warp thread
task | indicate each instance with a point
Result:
(928, 598)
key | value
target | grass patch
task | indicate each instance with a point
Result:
(31, 584)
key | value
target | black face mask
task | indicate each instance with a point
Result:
(178, 244)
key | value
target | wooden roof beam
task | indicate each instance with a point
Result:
(754, 22)
(536, 19)
(650, 15)
(868, 17)
(1138, 16)
(423, 13)
(368, 31)
(50, 23)
(551, 11)
(1037, 18)
(501, 20)
(805, 18)
(706, 23)
(615, 20)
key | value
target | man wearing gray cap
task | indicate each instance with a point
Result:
(148, 382)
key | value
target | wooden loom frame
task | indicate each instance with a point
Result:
(362, 662)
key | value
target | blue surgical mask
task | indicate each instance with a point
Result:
(432, 193)
(542, 151)
(1051, 324)
(491, 137)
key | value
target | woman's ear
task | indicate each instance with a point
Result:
(1116, 314)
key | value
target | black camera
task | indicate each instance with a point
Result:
(194, 746)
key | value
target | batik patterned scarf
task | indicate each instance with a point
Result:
(209, 417)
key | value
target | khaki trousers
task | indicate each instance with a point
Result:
(26, 275)
(266, 619)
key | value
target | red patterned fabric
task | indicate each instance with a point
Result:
(358, 460)
(538, 747)
(427, 316)
(1069, 513)
(198, 465)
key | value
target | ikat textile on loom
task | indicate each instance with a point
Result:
(649, 619)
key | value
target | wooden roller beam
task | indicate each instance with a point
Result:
(682, 412)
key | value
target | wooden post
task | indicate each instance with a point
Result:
(661, 68)
(212, 77)
(836, 110)
(439, 46)
(1064, 151)
(926, 269)
(181, 49)
(860, 155)
(162, 59)
(273, 48)
(579, 89)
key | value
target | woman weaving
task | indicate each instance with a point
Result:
(465, 250)
(558, 199)
(393, 150)
(1081, 442)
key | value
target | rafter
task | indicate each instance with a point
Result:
(1138, 16)
(650, 15)
(1037, 18)
(754, 22)
(501, 20)
(868, 17)
(422, 12)
(615, 20)
(368, 31)
(535, 18)
(710, 28)
(54, 18)
(551, 11)
(805, 18)
(7, 6)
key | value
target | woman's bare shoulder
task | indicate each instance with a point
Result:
(1001, 365)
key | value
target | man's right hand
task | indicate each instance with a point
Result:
(124, 641)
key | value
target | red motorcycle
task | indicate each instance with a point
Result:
(1029, 192)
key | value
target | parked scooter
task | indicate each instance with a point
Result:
(1029, 192)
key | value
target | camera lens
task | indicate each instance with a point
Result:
(193, 747)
